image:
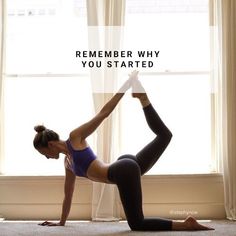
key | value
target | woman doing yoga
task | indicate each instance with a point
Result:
(125, 172)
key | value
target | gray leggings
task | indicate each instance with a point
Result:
(127, 170)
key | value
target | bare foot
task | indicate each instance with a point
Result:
(134, 74)
(190, 223)
(138, 90)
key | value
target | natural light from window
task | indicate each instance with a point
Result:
(43, 83)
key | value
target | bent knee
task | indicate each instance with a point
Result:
(136, 226)
(166, 137)
(169, 136)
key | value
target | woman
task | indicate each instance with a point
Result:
(125, 172)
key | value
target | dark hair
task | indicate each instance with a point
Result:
(43, 136)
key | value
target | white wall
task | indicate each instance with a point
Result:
(171, 196)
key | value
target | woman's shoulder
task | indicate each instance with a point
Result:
(77, 143)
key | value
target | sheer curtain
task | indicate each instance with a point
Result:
(2, 29)
(223, 41)
(104, 20)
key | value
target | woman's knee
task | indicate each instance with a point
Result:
(165, 138)
(135, 225)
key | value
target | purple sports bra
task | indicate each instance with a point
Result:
(79, 160)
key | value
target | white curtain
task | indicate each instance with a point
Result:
(223, 73)
(2, 30)
(104, 20)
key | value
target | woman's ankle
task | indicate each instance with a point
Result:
(178, 225)
(144, 100)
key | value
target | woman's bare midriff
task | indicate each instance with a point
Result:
(98, 171)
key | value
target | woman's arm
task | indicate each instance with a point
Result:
(88, 128)
(68, 192)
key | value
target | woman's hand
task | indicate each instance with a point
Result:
(48, 223)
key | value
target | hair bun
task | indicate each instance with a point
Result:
(39, 128)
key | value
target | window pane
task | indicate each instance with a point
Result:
(179, 29)
(61, 104)
(42, 36)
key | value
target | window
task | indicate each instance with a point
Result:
(179, 86)
(39, 46)
(40, 63)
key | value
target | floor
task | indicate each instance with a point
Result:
(82, 228)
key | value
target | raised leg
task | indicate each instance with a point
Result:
(149, 155)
